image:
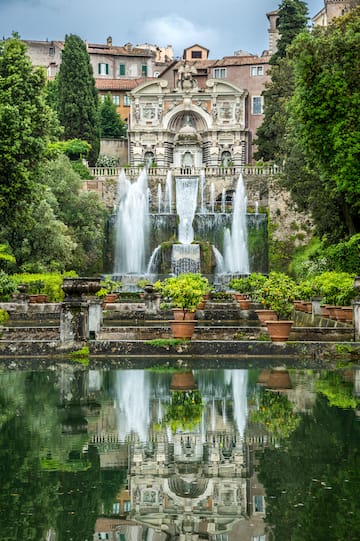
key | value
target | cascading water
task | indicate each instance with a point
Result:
(236, 257)
(186, 256)
(132, 225)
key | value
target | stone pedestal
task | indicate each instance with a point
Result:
(95, 317)
(74, 322)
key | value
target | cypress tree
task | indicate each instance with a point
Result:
(111, 125)
(77, 96)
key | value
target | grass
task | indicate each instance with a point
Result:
(81, 356)
(166, 342)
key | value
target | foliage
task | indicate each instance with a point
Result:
(77, 100)
(111, 124)
(166, 342)
(250, 284)
(4, 254)
(4, 316)
(278, 293)
(335, 287)
(25, 125)
(338, 392)
(48, 284)
(81, 169)
(292, 19)
(81, 355)
(108, 286)
(276, 413)
(74, 149)
(107, 161)
(324, 118)
(8, 286)
(83, 213)
(184, 411)
(184, 291)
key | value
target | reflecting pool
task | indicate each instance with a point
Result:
(157, 454)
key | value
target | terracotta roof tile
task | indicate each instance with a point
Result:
(114, 50)
(120, 84)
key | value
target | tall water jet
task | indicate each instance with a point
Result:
(202, 191)
(168, 193)
(223, 200)
(236, 257)
(239, 380)
(212, 197)
(132, 225)
(133, 403)
(159, 198)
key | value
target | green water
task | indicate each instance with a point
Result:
(126, 455)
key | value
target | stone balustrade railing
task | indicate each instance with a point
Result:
(215, 171)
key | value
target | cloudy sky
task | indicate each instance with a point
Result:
(223, 26)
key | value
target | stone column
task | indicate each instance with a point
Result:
(356, 319)
(95, 317)
(74, 322)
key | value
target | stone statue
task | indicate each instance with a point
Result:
(185, 77)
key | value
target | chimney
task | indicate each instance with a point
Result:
(109, 41)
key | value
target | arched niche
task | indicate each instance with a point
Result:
(187, 118)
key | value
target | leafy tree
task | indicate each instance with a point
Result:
(82, 212)
(77, 100)
(111, 124)
(25, 124)
(325, 117)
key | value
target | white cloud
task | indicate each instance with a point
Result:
(178, 32)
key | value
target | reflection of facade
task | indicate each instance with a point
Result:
(188, 126)
(190, 484)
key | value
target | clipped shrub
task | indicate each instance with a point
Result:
(46, 283)
(8, 286)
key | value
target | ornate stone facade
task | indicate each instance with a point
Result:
(188, 126)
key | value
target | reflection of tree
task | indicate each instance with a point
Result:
(28, 500)
(111, 482)
(184, 411)
(80, 501)
(276, 413)
(312, 483)
(338, 392)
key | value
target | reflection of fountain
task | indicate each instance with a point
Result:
(133, 395)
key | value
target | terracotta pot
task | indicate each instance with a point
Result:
(183, 381)
(339, 313)
(111, 297)
(263, 376)
(239, 296)
(279, 330)
(298, 305)
(182, 329)
(244, 304)
(332, 311)
(279, 380)
(348, 313)
(39, 298)
(183, 315)
(324, 310)
(266, 315)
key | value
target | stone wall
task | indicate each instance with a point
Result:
(116, 148)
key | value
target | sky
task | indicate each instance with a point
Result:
(223, 26)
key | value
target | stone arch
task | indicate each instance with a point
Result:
(176, 119)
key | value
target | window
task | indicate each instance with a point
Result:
(156, 73)
(122, 69)
(116, 100)
(127, 101)
(144, 70)
(102, 97)
(196, 54)
(103, 535)
(258, 537)
(256, 105)
(256, 71)
(103, 69)
(259, 504)
(127, 506)
(116, 508)
(219, 73)
(51, 51)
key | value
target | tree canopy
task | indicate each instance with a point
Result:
(111, 124)
(77, 99)
(25, 125)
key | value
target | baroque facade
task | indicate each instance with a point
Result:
(188, 125)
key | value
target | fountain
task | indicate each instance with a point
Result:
(143, 247)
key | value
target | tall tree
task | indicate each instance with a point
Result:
(292, 19)
(325, 119)
(270, 135)
(77, 96)
(111, 124)
(25, 124)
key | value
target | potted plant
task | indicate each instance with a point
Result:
(109, 291)
(277, 293)
(183, 293)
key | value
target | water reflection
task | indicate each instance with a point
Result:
(221, 455)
